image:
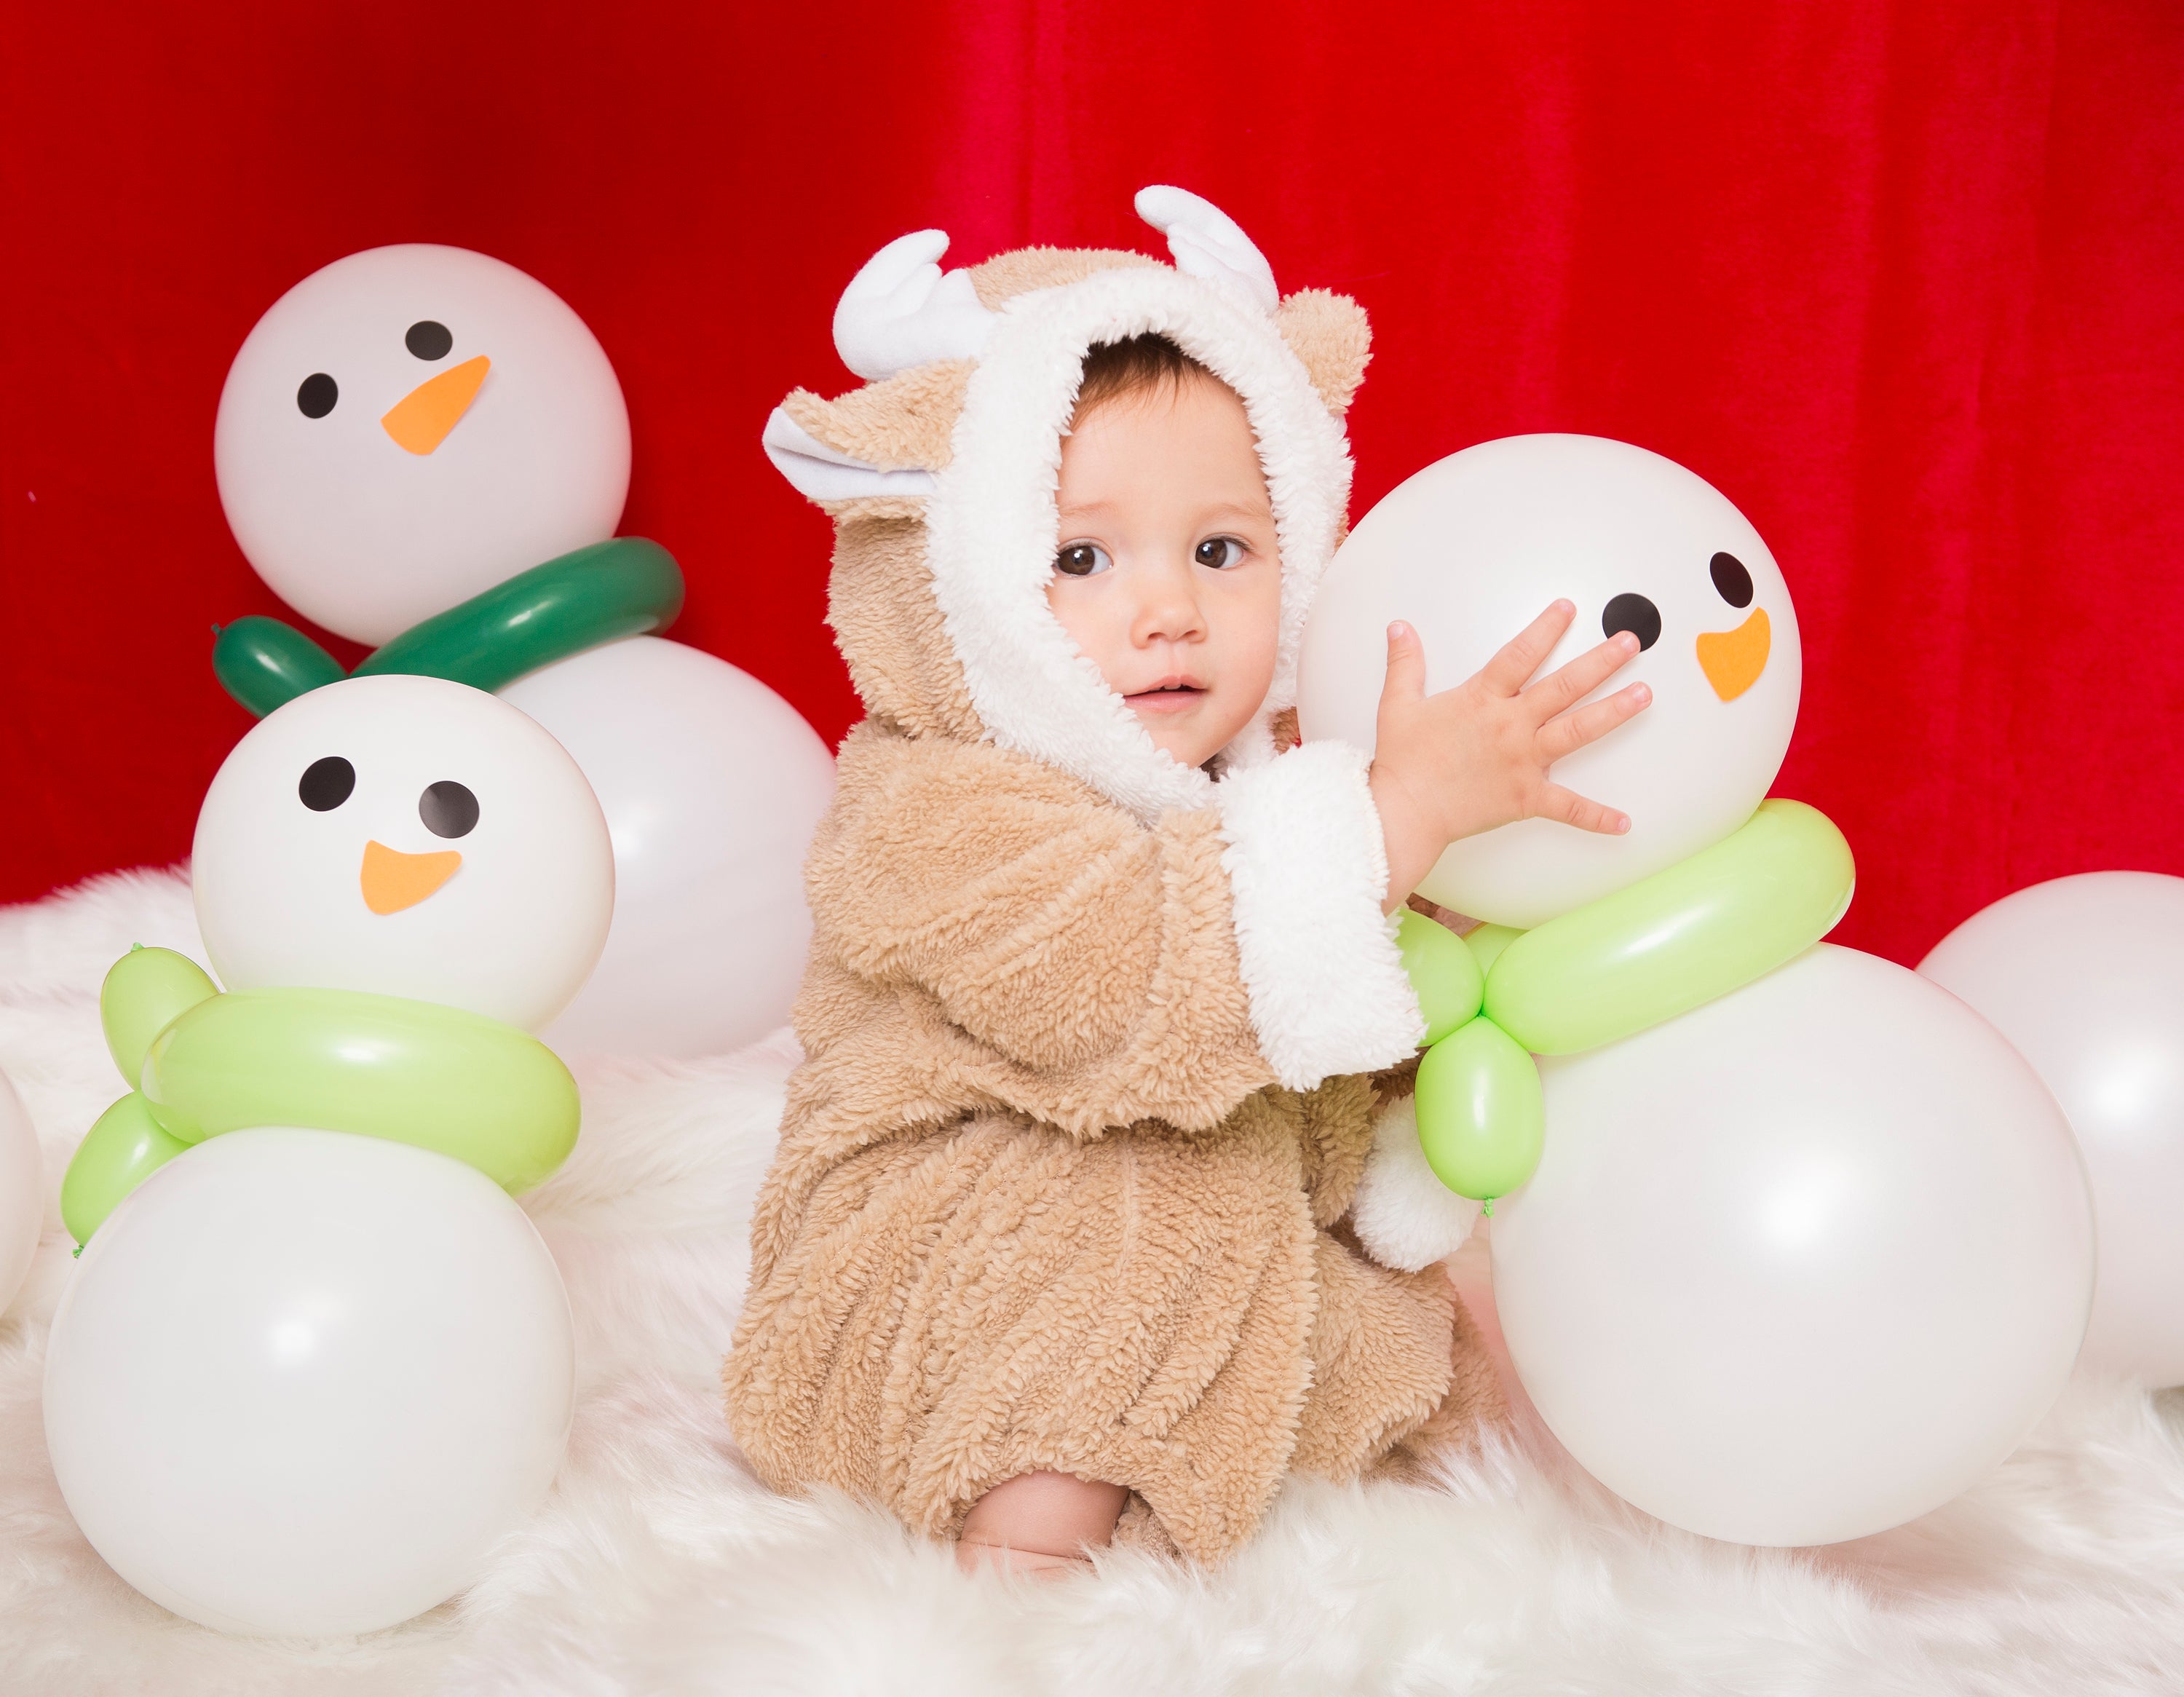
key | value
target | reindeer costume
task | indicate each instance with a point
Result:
(1071, 1179)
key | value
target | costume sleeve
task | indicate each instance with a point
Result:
(1105, 964)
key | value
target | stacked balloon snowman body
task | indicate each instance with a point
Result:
(1792, 1246)
(425, 450)
(314, 1360)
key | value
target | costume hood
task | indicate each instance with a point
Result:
(940, 474)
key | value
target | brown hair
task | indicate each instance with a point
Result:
(1146, 364)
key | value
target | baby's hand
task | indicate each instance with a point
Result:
(1450, 766)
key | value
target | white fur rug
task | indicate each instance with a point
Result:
(658, 1566)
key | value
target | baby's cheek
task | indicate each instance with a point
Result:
(1084, 616)
(1253, 629)
(1244, 675)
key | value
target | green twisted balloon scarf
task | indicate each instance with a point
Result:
(625, 587)
(1689, 934)
(202, 1063)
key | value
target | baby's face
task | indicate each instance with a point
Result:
(1168, 576)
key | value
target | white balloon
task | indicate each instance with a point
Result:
(1473, 548)
(712, 785)
(301, 1381)
(294, 880)
(1803, 1264)
(2085, 977)
(368, 537)
(22, 1193)
(712, 782)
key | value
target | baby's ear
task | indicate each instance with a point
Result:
(885, 439)
(1329, 333)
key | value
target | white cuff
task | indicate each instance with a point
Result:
(1307, 871)
(1403, 1215)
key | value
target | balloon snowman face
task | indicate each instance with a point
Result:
(409, 837)
(1473, 547)
(409, 426)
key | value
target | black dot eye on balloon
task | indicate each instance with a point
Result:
(1634, 613)
(428, 339)
(316, 394)
(326, 784)
(448, 809)
(1732, 579)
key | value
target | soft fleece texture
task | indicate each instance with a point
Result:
(1040, 1202)
(659, 1565)
(1064, 1182)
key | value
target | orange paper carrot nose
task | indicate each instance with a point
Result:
(393, 880)
(1733, 660)
(421, 420)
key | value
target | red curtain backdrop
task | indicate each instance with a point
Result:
(1905, 281)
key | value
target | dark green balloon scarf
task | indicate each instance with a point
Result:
(625, 587)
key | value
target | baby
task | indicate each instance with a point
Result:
(1061, 1246)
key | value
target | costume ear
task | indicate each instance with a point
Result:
(822, 473)
(1329, 333)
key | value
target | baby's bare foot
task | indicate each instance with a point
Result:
(974, 1555)
(1039, 1523)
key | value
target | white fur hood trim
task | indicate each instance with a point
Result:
(992, 527)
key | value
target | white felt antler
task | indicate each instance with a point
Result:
(1207, 242)
(902, 310)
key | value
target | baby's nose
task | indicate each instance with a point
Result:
(1169, 612)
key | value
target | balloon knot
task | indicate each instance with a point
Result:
(1487, 1207)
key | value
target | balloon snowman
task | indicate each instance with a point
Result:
(1792, 1247)
(426, 449)
(263, 1408)
(1589, 938)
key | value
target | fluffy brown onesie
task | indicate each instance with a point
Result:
(1066, 1180)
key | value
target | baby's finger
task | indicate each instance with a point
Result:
(1590, 723)
(1508, 670)
(1580, 677)
(1406, 666)
(1587, 815)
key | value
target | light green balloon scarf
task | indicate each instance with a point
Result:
(202, 1063)
(1689, 934)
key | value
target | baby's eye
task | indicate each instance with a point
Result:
(1082, 560)
(1218, 551)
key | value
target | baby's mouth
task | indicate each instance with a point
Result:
(1169, 695)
